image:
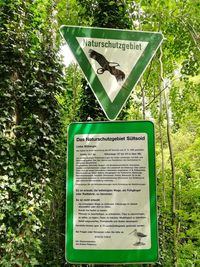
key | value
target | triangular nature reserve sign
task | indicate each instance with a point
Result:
(112, 61)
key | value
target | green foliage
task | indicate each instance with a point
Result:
(71, 97)
(31, 76)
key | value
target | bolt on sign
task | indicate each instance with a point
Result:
(111, 193)
(112, 61)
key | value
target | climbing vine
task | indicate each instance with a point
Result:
(31, 76)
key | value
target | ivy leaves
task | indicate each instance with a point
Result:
(31, 76)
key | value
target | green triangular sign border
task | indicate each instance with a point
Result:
(111, 109)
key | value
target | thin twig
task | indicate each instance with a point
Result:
(161, 92)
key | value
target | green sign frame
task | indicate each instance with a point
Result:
(117, 255)
(111, 108)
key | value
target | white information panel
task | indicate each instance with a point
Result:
(111, 192)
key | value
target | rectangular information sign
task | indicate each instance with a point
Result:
(111, 193)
